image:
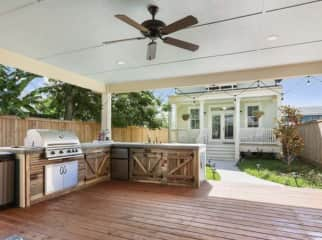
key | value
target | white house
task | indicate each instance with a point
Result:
(230, 119)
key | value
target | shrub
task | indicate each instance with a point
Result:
(287, 133)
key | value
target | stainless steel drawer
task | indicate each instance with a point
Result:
(121, 153)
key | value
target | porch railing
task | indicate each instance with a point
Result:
(257, 135)
(184, 135)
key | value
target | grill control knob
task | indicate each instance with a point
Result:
(52, 152)
(68, 150)
(76, 150)
(61, 152)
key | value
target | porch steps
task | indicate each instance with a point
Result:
(220, 152)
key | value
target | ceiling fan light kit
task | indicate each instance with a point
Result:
(156, 29)
(152, 50)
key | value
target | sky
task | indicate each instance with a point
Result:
(298, 92)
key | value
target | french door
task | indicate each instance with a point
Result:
(222, 126)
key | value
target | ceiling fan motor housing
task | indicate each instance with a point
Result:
(154, 27)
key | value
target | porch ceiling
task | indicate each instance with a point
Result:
(232, 36)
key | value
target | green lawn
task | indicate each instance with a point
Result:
(211, 176)
(278, 171)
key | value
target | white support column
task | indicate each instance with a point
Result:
(173, 133)
(278, 105)
(173, 124)
(106, 111)
(201, 121)
(237, 128)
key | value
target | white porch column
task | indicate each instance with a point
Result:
(107, 111)
(173, 124)
(278, 104)
(201, 121)
(237, 128)
(173, 133)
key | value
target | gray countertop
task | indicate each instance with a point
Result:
(21, 149)
(162, 145)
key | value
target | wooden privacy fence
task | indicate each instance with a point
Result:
(13, 130)
(140, 134)
(311, 133)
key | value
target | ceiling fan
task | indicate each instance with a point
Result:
(154, 29)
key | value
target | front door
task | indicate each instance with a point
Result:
(222, 126)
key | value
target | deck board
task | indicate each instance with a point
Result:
(120, 210)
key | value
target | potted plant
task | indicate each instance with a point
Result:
(185, 117)
(259, 114)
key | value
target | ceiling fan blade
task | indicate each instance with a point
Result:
(131, 22)
(179, 25)
(181, 44)
(123, 40)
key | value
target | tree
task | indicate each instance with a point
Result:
(64, 101)
(136, 109)
(68, 102)
(287, 133)
(13, 85)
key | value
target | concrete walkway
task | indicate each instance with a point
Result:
(230, 173)
(235, 184)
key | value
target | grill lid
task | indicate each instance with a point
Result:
(46, 137)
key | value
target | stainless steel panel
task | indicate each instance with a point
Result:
(119, 153)
(61, 176)
(70, 174)
(54, 180)
(120, 169)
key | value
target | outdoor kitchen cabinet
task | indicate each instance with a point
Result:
(171, 164)
(97, 164)
(82, 171)
(60, 176)
(166, 166)
(45, 179)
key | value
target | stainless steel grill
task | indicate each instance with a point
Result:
(58, 144)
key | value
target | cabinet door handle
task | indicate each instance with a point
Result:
(61, 170)
(65, 169)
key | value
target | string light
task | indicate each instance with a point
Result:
(258, 84)
(308, 81)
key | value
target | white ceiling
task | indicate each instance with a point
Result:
(43, 30)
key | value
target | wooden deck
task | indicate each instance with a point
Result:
(118, 210)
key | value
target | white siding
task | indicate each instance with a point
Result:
(267, 105)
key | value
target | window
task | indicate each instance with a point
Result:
(252, 120)
(194, 119)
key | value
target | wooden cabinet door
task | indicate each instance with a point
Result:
(97, 164)
(90, 166)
